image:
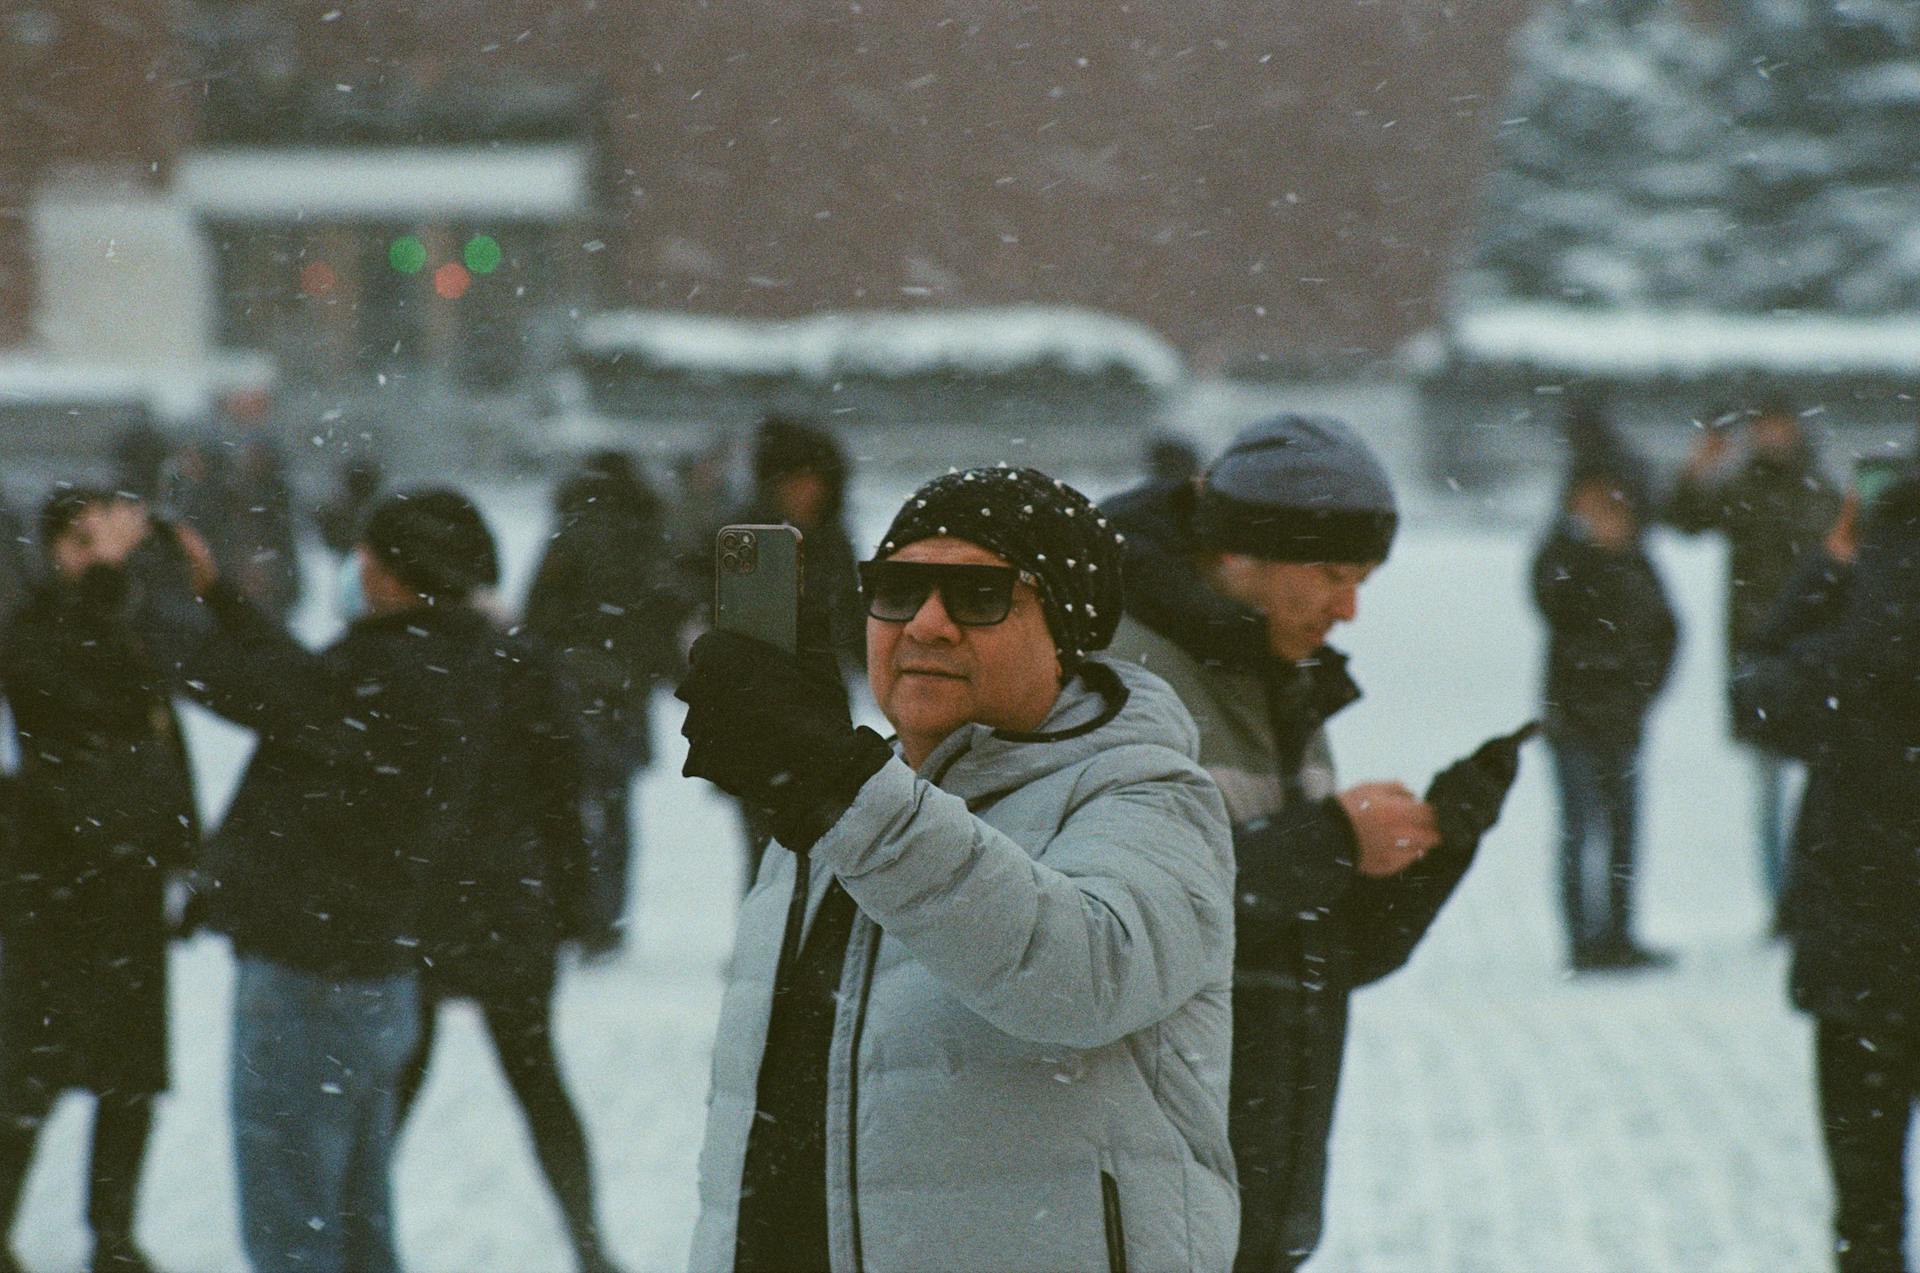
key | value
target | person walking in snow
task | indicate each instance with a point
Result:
(1833, 679)
(1233, 584)
(1611, 637)
(978, 1012)
(381, 764)
(104, 810)
(496, 907)
(1774, 506)
(800, 476)
(603, 600)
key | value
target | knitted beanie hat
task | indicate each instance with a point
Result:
(434, 541)
(1297, 488)
(1039, 524)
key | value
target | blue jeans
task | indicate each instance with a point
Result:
(1772, 816)
(316, 1072)
(1599, 785)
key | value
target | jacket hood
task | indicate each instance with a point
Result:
(1106, 705)
(1164, 589)
(1166, 593)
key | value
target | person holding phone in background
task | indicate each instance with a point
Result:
(1233, 585)
(800, 477)
(1774, 506)
(977, 1017)
(1833, 679)
(105, 810)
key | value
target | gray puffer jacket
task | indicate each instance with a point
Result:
(1029, 1061)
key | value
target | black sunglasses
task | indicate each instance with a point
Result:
(973, 596)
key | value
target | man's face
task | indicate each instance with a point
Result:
(102, 535)
(1302, 600)
(1774, 434)
(801, 498)
(930, 675)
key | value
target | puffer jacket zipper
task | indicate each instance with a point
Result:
(1116, 1230)
(853, 1101)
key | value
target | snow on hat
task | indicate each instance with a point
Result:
(434, 541)
(1039, 524)
(1297, 488)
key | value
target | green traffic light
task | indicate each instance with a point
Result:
(407, 255)
(482, 254)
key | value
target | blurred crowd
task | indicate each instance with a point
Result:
(442, 799)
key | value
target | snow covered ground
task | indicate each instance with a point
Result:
(1496, 1116)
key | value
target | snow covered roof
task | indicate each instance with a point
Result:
(172, 389)
(1650, 344)
(984, 341)
(533, 182)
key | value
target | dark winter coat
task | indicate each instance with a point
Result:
(604, 600)
(16, 561)
(104, 810)
(1611, 635)
(1834, 679)
(1309, 929)
(1774, 513)
(392, 773)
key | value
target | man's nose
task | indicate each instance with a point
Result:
(1346, 604)
(931, 624)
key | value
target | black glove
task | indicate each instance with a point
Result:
(1466, 796)
(762, 727)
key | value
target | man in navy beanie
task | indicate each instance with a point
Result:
(417, 749)
(1233, 583)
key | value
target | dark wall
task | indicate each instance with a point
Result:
(1287, 181)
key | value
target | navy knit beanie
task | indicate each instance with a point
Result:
(1297, 488)
(1039, 524)
(434, 541)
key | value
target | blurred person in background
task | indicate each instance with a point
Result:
(1232, 587)
(498, 902)
(377, 758)
(16, 560)
(196, 491)
(357, 483)
(1774, 506)
(800, 479)
(263, 560)
(978, 1014)
(1170, 460)
(702, 494)
(603, 599)
(1611, 638)
(139, 457)
(105, 811)
(1833, 679)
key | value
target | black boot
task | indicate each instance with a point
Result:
(121, 1126)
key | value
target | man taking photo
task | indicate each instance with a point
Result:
(1233, 585)
(978, 1013)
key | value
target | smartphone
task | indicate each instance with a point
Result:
(1873, 475)
(756, 583)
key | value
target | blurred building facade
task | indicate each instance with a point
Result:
(1266, 185)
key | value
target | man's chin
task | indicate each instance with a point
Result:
(929, 704)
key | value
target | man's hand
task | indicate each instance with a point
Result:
(1393, 828)
(1843, 541)
(765, 728)
(1467, 795)
(1709, 449)
(202, 570)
